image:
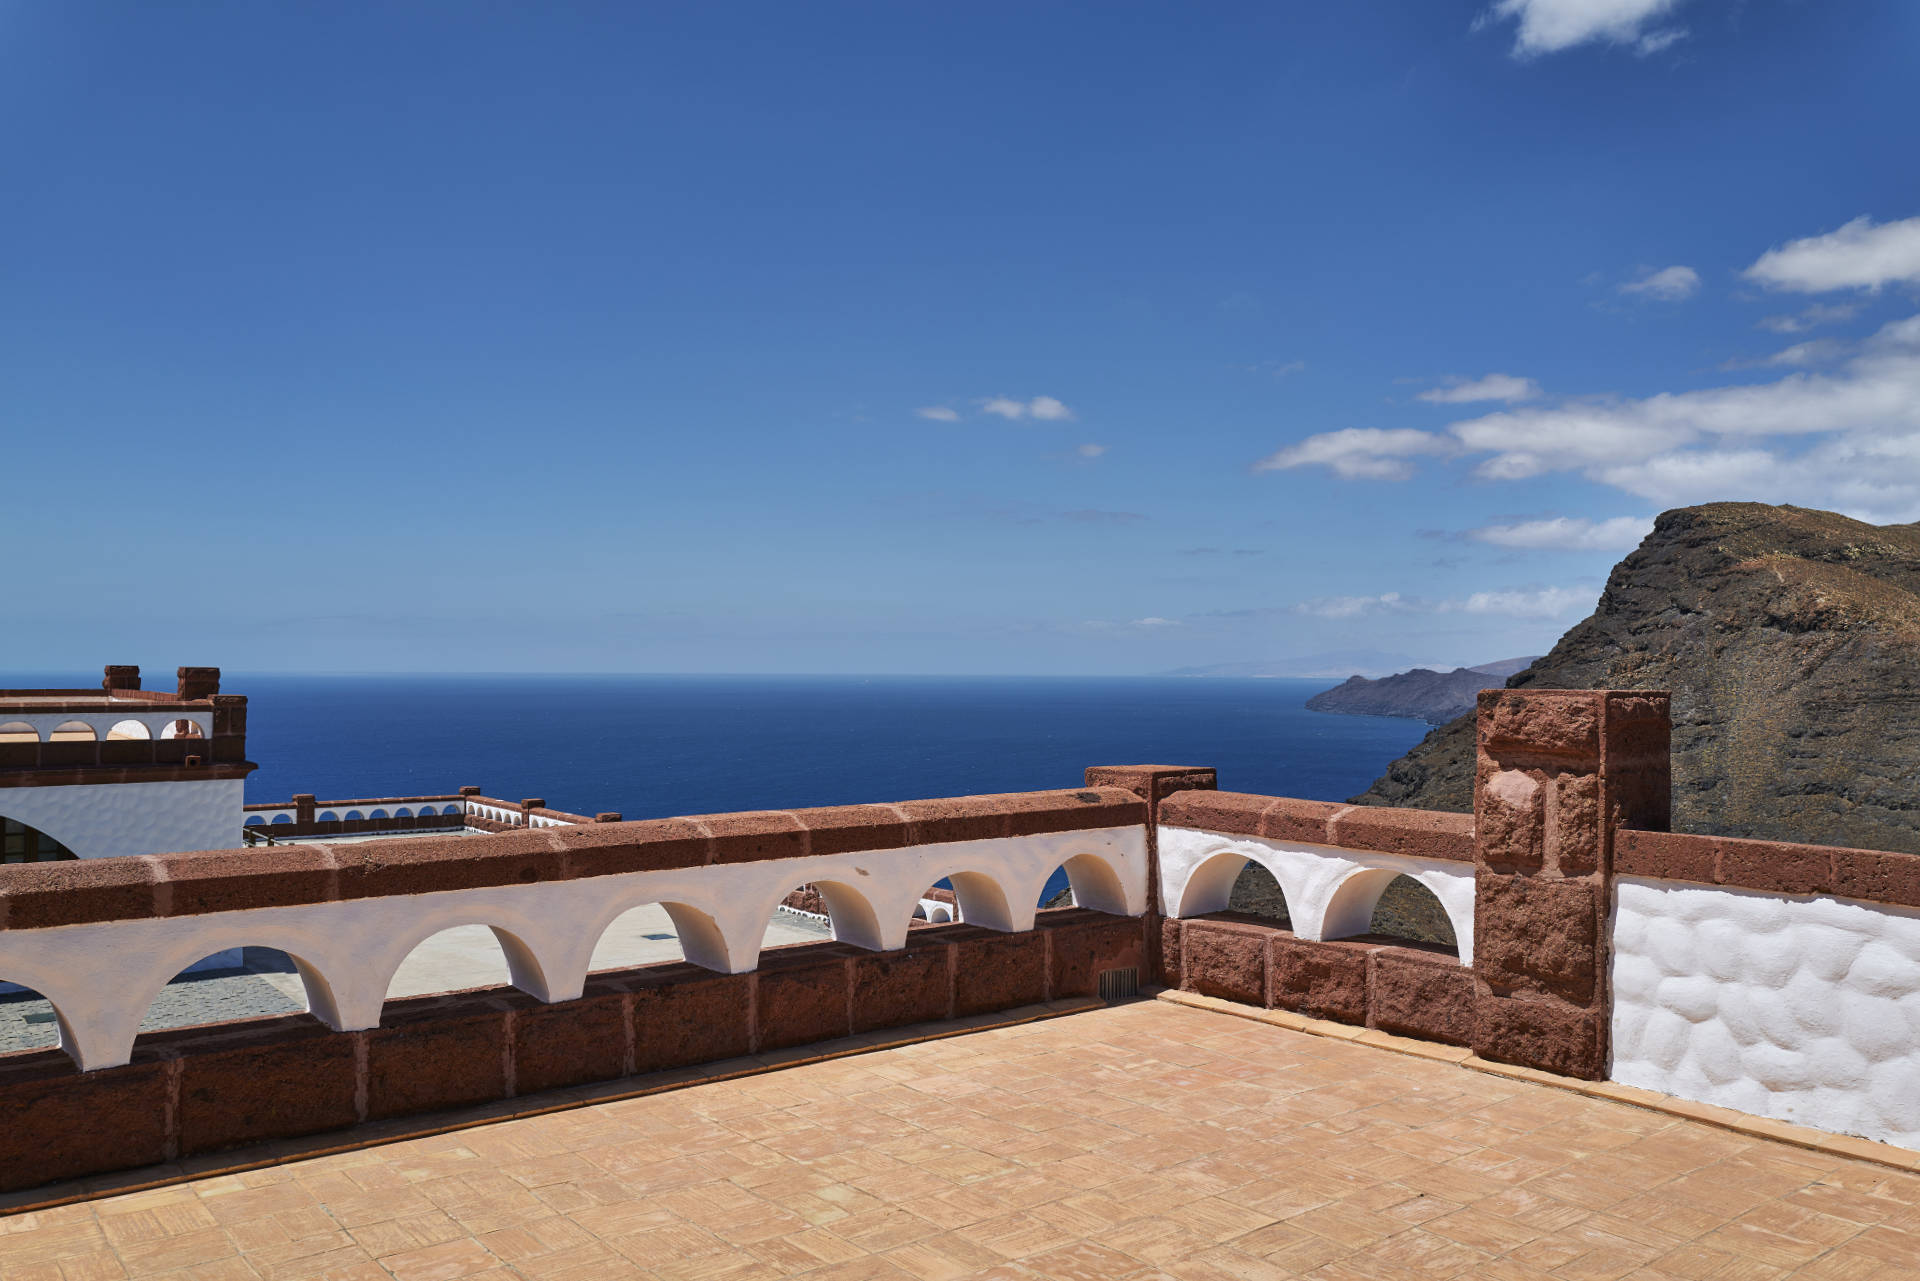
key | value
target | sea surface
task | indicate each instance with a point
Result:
(649, 746)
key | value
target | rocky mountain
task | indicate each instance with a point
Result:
(1790, 639)
(1423, 694)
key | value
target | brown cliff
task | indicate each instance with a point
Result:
(1790, 639)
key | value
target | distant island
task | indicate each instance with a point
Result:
(1421, 694)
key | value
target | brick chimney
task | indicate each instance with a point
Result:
(119, 678)
(198, 682)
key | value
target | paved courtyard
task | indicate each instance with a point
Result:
(1144, 1141)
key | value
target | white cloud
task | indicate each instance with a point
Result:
(1359, 453)
(1355, 606)
(1568, 533)
(1540, 602)
(1669, 284)
(1460, 391)
(1089, 451)
(1155, 622)
(1531, 602)
(1815, 351)
(1861, 255)
(1812, 317)
(1549, 26)
(939, 414)
(1044, 408)
(1713, 443)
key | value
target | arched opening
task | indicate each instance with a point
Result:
(28, 1020)
(283, 818)
(403, 812)
(181, 729)
(22, 843)
(72, 732)
(128, 730)
(1085, 880)
(238, 983)
(451, 809)
(823, 909)
(378, 814)
(18, 732)
(1410, 911)
(1257, 893)
(455, 959)
(354, 816)
(645, 935)
(327, 816)
(972, 897)
(255, 820)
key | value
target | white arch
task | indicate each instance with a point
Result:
(18, 732)
(129, 729)
(403, 812)
(194, 728)
(982, 899)
(354, 816)
(73, 732)
(327, 816)
(1324, 898)
(377, 814)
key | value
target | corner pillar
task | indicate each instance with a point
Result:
(1557, 772)
(1153, 784)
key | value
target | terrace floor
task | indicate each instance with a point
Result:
(1145, 1140)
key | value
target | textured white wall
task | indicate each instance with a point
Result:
(95, 820)
(1801, 1009)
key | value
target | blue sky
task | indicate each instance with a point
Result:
(927, 338)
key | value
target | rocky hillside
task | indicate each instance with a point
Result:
(1790, 639)
(1423, 694)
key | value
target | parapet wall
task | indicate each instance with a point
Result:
(1782, 980)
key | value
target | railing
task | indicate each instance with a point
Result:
(306, 817)
(1777, 979)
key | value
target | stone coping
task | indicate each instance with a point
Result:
(365, 800)
(41, 895)
(1415, 833)
(1760, 1127)
(1776, 867)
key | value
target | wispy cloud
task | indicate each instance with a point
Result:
(1461, 391)
(1550, 26)
(1862, 254)
(1356, 606)
(1089, 451)
(1153, 621)
(1043, 408)
(1359, 453)
(939, 414)
(1811, 317)
(1669, 284)
(1525, 602)
(1092, 516)
(1568, 533)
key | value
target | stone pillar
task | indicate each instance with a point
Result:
(120, 677)
(197, 682)
(1153, 784)
(1557, 772)
(303, 810)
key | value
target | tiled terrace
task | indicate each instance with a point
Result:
(1147, 1140)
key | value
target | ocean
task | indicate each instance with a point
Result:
(649, 746)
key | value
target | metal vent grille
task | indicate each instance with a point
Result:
(1119, 985)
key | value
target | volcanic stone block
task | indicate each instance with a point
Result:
(424, 864)
(1227, 959)
(846, 829)
(605, 849)
(1235, 812)
(683, 1014)
(1085, 943)
(891, 989)
(264, 1079)
(571, 1042)
(1574, 835)
(64, 1124)
(994, 971)
(237, 880)
(1415, 833)
(1510, 816)
(1171, 972)
(803, 995)
(437, 1052)
(1421, 994)
(1670, 856)
(1538, 932)
(1776, 867)
(1883, 878)
(36, 895)
(755, 836)
(1541, 722)
(1324, 980)
(1540, 1032)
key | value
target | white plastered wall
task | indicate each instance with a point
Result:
(1330, 892)
(96, 820)
(1804, 1009)
(102, 977)
(157, 723)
